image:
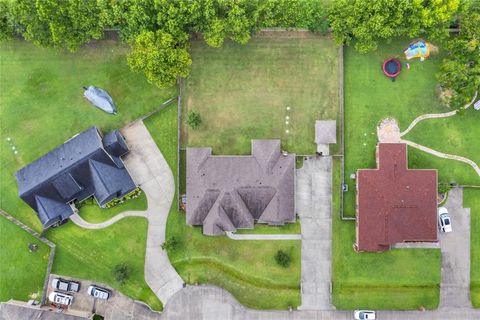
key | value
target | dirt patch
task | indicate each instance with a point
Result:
(388, 131)
(445, 96)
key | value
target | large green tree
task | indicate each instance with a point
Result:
(6, 21)
(160, 57)
(131, 16)
(368, 21)
(67, 24)
(460, 69)
(177, 17)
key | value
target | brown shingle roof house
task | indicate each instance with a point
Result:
(225, 193)
(395, 204)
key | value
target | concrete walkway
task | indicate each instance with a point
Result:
(455, 248)
(235, 236)
(443, 155)
(435, 115)
(151, 172)
(314, 206)
(77, 219)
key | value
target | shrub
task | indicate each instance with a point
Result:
(444, 187)
(194, 120)
(171, 244)
(122, 272)
(282, 258)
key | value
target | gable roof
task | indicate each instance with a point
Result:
(394, 203)
(226, 191)
(59, 159)
(77, 169)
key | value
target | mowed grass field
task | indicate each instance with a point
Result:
(242, 92)
(397, 279)
(91, 212)
(22, 272)
(458, 135)
(41, 106)
(247, 269)
(472, 200)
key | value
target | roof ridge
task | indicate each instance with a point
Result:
(93, 163)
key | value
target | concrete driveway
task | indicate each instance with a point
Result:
(455, 248)
(314, 207)
(117, 307)
(151, 172)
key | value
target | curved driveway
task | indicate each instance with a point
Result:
(151, 172)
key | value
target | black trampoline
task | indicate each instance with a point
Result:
(391, 68)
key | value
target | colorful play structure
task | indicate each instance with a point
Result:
(391, 68)
(418, 49)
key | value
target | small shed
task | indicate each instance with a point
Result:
(325, 134)
(325, 131)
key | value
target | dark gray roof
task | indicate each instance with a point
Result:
(325, 131)
(229, 192)
(20, 311)
(115, 143)
(56, 161)
(79, 168)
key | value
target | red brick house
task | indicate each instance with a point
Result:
(395, 204)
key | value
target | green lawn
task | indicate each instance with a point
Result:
(397, 279)
(245, 268)
(43, 108)
(370, 96)
(454, 135)
(242, 92)
(93, 213)
(22, 272)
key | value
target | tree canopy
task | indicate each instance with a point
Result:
(67, 24)
(368, 21)
(460, 69)
(159, 57)
(164, 27)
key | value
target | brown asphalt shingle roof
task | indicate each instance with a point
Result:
(229, 192)
(395, 204)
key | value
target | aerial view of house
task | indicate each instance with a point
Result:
(225, 193)
(84, 166)
(395, 204)
(235, 159)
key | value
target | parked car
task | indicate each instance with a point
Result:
(364, 314)
(65, 285)
(444, 220)
(60, 298)
(99, 293)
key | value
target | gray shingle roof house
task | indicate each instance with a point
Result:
(225, 193)
(84, 166)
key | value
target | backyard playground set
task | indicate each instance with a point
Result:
(417, 49)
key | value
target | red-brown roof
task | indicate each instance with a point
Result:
(394, 203)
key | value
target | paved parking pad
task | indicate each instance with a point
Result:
(455, 248)
(117, 307)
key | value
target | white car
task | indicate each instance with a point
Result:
(364, 314)
(444, 221)
(60, 298)
(99, 293)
